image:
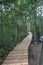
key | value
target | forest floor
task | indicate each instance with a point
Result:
(41, 56)
(35, 52)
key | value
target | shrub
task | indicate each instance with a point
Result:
(2, 52)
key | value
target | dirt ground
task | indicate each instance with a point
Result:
(34, 55)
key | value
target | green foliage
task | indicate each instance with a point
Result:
(13, 30)
(2, 52)
(14, 24)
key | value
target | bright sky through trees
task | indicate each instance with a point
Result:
(40, 10)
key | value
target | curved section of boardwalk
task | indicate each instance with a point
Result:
(19, 55)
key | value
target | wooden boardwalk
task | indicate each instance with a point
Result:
(19, 55)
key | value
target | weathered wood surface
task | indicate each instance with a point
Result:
(19, 55)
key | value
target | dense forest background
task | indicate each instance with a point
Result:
(17, 18)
